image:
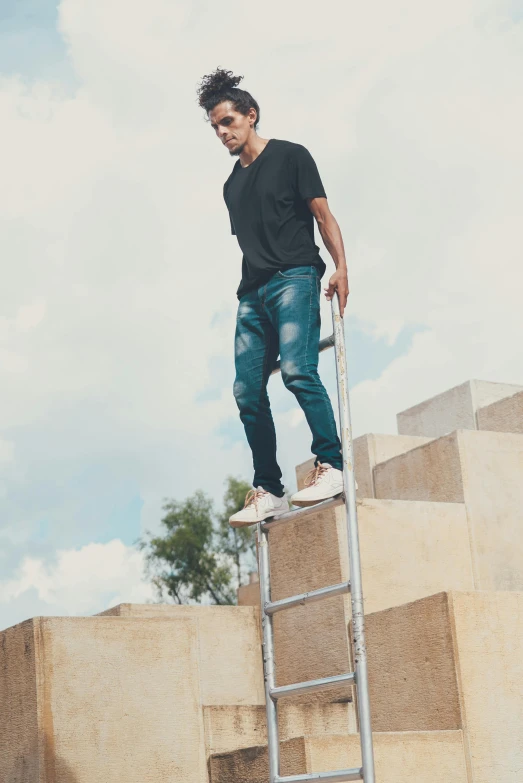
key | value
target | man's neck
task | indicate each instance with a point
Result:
(253, 147)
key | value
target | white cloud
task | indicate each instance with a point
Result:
(80, 581)
(115, 254)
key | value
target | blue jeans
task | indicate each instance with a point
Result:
(282, 317)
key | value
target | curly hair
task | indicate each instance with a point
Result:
(222, 86)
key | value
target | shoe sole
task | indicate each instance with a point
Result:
(306, 503)
(256, 521)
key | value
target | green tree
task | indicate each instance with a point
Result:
(238, 543)
(198, 556)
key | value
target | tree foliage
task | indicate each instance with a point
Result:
(198, 557)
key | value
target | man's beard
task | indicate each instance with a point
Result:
(237, 151)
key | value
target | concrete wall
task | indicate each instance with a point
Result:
(454, 662)
(369, 450)
(453, 409)
(230, 728)
(310, 641)
(503, 416)
(421, 757)
(121, 697)
(411, 549)
(229, 644)
(484, 470)
(113, 699)
(19, 737)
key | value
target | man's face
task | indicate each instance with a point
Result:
(231, 126)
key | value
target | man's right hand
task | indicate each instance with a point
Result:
(339, 283)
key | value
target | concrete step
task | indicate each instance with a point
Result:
(90, 699)
(409, 550)
(229, 648)
(503, 416)
(369, 451)
(411, 757)
(456, 408)
(121, 697)
(484, 470)
(230, 728)
(453, 661)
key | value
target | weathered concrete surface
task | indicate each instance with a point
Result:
(418, 757)
(488, 634)
(249, 595)
(251, 765)
(112, 699)
(230, 728)
(229, 648)
(369, 450)
(21, 745)
(453, 409)
(411, 549)
(431, 472)
(485, 471)
(454, 661)
(412, 667)
(414, 757)
(503, 416)
(310, 641)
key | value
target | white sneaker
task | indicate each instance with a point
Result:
(321, 483)
(259, 505)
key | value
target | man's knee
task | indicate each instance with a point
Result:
(293, 374)
(239, 390)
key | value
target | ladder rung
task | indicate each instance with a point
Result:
(307, 598)
(312, 685)
(332, 777)
(302, 513)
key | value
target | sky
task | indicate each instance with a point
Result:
(117, 302)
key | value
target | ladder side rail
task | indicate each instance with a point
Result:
(269, 669)
(358, 621)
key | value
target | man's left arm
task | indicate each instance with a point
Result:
(333, 241)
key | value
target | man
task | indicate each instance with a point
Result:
(273, 194)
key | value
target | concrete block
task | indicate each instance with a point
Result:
(412, 757)
(108, 699)
(249, 595)
(19, 735)
(454, 661)
(229, 645)
(431, 472)
(231, 728)
(412, 667)
(369, 450)
(488, 634)
(411, 549)
(503, 416)
(310, 641)
(408, 550)
(453, 409)
(251, 765)
(484, 470)
(418, 757)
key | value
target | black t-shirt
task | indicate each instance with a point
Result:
(269, 213)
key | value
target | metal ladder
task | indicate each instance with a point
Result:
(269, 608)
